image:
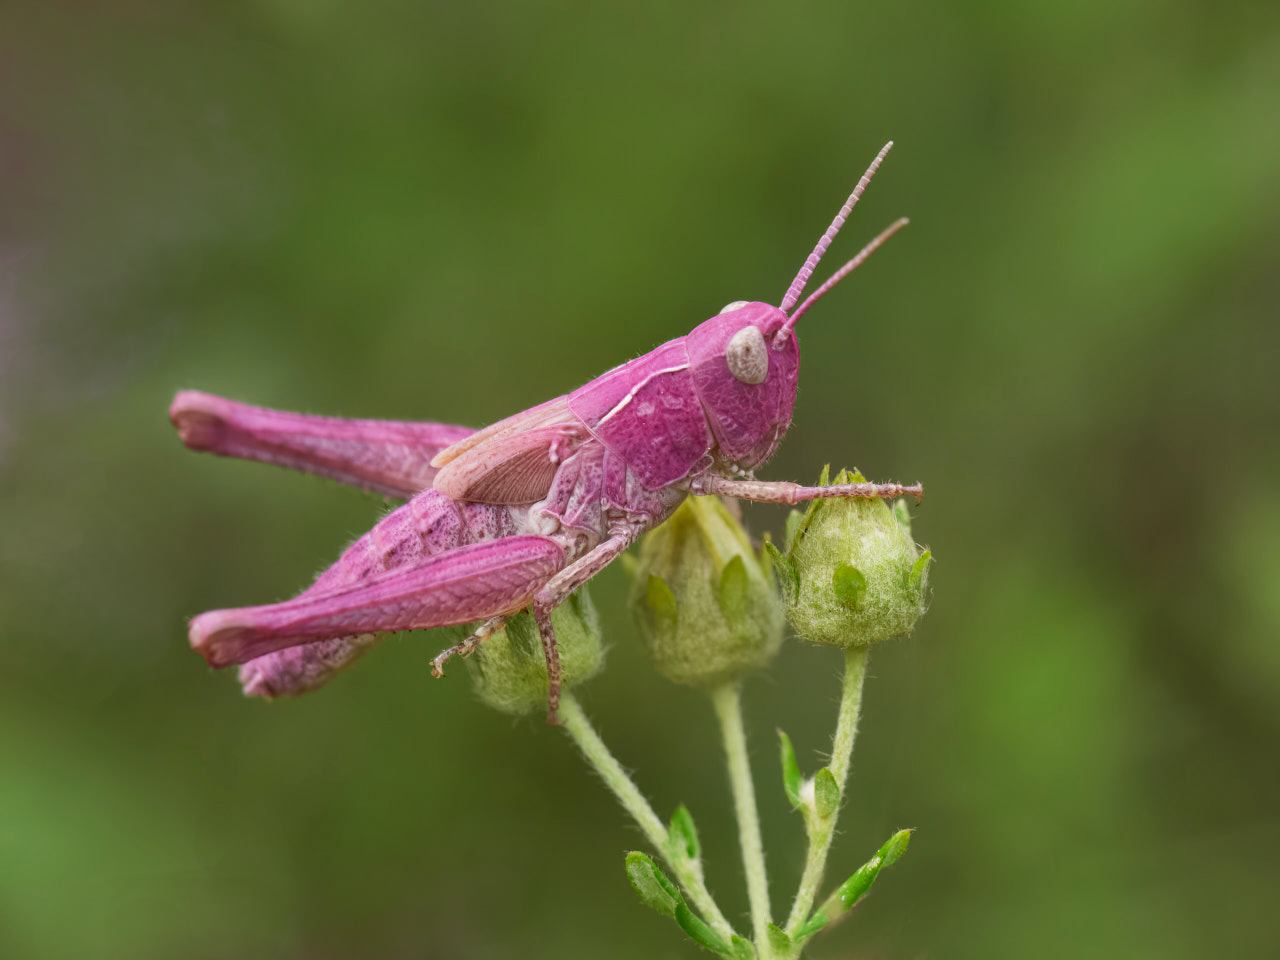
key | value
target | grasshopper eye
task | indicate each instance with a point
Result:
(748, 358)
(736, 305)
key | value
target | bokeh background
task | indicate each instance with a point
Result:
(453, 211)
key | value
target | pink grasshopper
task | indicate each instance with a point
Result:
(521, 513)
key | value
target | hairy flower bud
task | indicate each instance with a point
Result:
(705, 602)
(510, 670)
(851, 574)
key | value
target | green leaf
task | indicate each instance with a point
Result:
(791, 776)
(742, 949)
(793, 527)
(849, 585)
(786, 571)
(779, 942)
(683, 834)
(652, 885)
(700, 933)
(662, 601)
(735, 586)
(919, 569)
(895, 847)
(826, 793)
(816, 922)
(856, 887)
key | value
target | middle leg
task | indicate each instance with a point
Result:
(555, 592)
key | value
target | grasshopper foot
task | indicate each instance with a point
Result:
(468, 646)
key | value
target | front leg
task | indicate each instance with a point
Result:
(764, 491)
(555, 593)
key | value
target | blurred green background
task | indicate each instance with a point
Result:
(452, 212)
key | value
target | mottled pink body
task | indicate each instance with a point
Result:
(525, 511)
(647, 413)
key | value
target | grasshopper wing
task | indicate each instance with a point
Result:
(512, 461)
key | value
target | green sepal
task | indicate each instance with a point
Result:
(849, 585)
(788, 576)
(826, 793)
(794, 519)
(902, 513)
(779, 942)
(791, 776)
(742, 949)
(683, 835)
(735, 585)
(700, 933)
(662, 601)
(810, 511)
(652, 885)
(919, 570)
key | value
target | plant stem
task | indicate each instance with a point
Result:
(727, 700)
(821, 832)
(688, 873)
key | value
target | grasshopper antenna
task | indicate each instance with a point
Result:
(844, 271)
(797, 285)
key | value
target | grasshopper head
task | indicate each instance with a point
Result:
(746, 362)
(745, 365)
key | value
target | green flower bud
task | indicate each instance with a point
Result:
(705, 601)
(510, 670)
(852, 575)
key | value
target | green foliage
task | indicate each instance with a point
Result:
(826, 794)
(684, 835)
(791, 776)
(855, 888)
(651, 884)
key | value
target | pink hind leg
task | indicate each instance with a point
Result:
(391, 457)
(473, 582)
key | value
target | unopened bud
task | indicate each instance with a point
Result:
(510, 669)
(851, 574)
(705, 601)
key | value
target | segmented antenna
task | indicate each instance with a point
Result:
(797, 285)
(844, 271)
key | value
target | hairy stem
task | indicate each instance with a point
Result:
(820, 831)
(727, 700)
(688, 874)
